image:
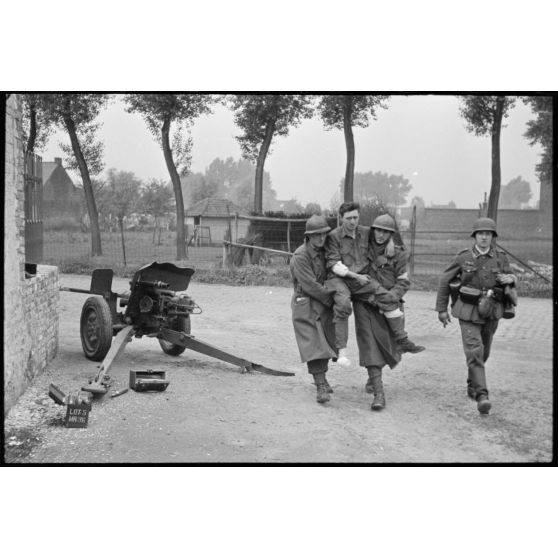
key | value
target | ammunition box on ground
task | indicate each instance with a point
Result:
(148, 380)
(77, 415)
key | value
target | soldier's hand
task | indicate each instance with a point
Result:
(444, 317)
(505, 278)
(362, 279)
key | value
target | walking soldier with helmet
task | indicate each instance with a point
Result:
(351, 250)
(482, 290)
(311, 305)
(387, 266)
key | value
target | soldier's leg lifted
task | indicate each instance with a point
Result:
(342, 309)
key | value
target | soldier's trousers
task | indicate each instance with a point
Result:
(342, 308)
(477, 340)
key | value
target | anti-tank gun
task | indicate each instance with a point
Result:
(155, 306)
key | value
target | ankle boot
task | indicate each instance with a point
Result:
(322, 393)
(376, 386)
(379, 401)
(404, 344)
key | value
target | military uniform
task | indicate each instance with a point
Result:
(311, 305)
(351, 250)
(391, 274)
(477, 270)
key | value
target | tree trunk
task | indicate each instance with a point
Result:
(121, 223)
(348, 193)
(496, 173)
(87, 187)
(258, 186)
(32, 129)
(175, 179)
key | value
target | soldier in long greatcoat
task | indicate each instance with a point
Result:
(311, 305)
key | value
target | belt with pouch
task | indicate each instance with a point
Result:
(469, 295)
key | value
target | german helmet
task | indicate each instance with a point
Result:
(316, 225)
(484, 224)
(384, 222)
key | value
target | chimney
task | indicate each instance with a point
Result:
(58, 161)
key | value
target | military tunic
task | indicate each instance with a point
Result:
(474, 269)
(351, 250)
(391, 273)
(311, 305)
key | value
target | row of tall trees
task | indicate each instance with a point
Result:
(261, 118)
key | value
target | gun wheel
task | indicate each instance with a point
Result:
(182, 325)
(96, 328)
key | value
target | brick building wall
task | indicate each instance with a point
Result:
(30, 304)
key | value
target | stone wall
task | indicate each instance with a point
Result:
(30, 304)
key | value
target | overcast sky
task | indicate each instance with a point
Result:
(421, 137)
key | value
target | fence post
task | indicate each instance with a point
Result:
(413, 235)
(288, 236)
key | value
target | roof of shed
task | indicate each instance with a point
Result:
(213, 207)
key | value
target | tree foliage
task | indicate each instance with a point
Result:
(169, 118)
(91, 148)
(76, 114)
(261, 118)
(515, 193)
(539, 130)
(334, 109)
(391, 189)
(231, 180)
(479, 112)
(344, 112)
(36, 126)
(418, 201)
(157, 198)
(123, 189)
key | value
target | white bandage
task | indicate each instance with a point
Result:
(393, 313)
(404, 276)
(340, 269)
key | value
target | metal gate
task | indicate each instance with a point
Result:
(33, 180)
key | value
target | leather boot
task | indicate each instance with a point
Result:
(322, 393)
(379, 402)
(377, 385)
(483, 404)
(407, 346)
(328, 387)
(404, 344)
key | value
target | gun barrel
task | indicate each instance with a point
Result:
(72, 290)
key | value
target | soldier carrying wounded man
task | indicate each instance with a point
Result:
(365, 264)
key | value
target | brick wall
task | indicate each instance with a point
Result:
(30, 305)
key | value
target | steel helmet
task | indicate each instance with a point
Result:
(484, 224)
(316, 225)
(385, 222)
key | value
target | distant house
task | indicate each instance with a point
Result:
(62, 201)
(208, 221)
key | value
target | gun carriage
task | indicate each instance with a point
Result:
(155, 306)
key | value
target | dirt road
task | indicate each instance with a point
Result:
(212, 413)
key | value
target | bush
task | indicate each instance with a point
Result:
(61, 224)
